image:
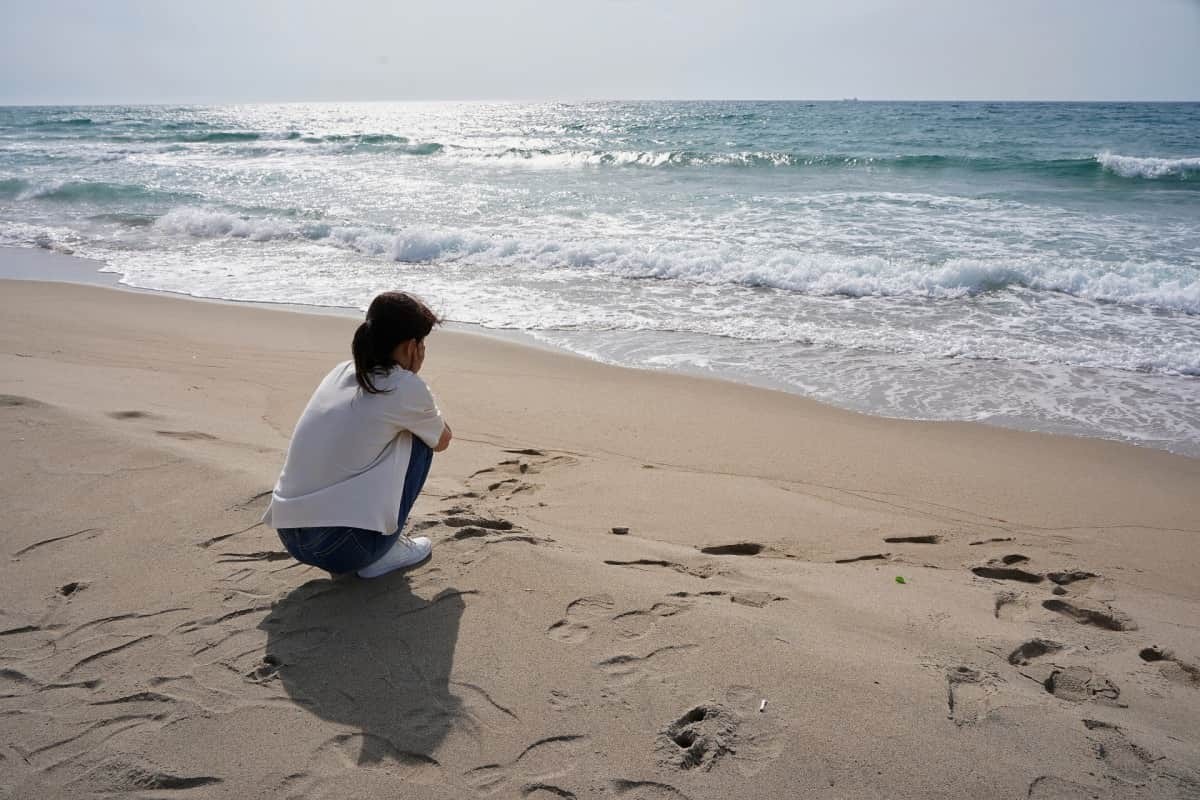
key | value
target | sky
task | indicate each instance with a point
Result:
(214, 51)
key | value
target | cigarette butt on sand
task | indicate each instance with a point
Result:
(762, 706)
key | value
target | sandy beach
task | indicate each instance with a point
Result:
(808, 602)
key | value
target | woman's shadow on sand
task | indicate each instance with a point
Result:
(373, 656)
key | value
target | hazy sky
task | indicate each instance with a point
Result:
(53, 51)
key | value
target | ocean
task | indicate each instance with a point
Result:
(1032, 265)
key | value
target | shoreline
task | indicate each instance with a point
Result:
(694, 400)
(155, 634)
(23, 263)
(30, 263)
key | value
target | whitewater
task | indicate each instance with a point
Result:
(1029, 265)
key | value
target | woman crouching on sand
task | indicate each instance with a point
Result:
(362, 449)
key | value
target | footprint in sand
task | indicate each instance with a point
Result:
(560, 700)
(1002, 569)
(699, 738)
(1101, 615)
(459, 520)
(646, 790)
(970, 694)
(362, 764)
(639, 622)
(626, 669)
(265, 671)
(1123, 759)
(735, 549)
(1079, 684)
(748, 597)
(726, 731)
(484, 531)
(1076, 579)
(755, 599)
(123, 775)
(535, 772)
(1007, 574)
(1027, 652)
(507, 478)
(582, 614)
(1127, 763)
(1070, 576)
(745, 549)
(1051, 787)
(1129, 770)
(1172, 668)
(1011, 606)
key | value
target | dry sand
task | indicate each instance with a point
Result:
(155, 640)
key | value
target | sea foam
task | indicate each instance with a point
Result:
(209, 224)
(1148, 167)
(1151, 285)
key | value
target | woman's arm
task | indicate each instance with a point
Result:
(444, 442)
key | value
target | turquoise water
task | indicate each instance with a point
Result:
(1030, 265)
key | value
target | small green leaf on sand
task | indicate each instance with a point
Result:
(900, 579)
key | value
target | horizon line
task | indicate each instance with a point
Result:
(581, 100)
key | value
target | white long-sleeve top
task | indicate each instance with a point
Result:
(349, 453)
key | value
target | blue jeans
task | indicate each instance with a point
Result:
(341, 549)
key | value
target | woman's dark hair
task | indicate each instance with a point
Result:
(392, 318)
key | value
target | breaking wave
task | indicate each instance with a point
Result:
(1154, 285)
(1148, 167)
(1102, 163)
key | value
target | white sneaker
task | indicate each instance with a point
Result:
(405, 552)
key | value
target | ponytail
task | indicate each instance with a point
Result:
(364, 362)
(392, 318)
